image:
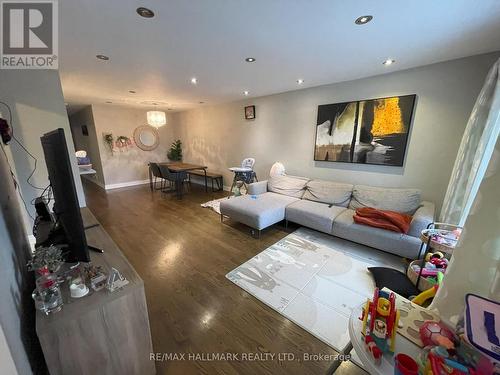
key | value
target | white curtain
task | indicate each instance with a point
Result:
(475, 264)
(475, 151)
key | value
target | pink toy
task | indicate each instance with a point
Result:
(439, 263)
(430, 272)
(432, 332)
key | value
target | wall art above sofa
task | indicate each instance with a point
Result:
(373, 131)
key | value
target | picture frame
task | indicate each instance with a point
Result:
(368, 131)
(250, 112)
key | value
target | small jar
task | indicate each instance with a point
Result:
(48, 298)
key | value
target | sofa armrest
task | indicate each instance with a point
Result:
(422, 218)
(257, 188)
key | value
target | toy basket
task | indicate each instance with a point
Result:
(423, 284)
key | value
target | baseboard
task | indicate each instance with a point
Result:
(94, 180)
(143, 182)
(126, 184)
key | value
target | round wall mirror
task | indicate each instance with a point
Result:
(146, 138)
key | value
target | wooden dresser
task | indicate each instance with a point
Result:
(102, 333)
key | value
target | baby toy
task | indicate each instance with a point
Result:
(434, 263)
(435, 333)
(436, 255)
(429, 293)
(482, 325)
(373, 349)
(380, 322)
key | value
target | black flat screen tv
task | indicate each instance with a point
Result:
(66, 207)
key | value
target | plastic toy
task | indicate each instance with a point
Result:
(373, 349)
(380, 322)
(425, 295)
(435, 264)
(437, 365)
(482, 325)
(429, 293)
(405, 365)
(439, 263)
(447, 353)
(432, 333)
(436, 255)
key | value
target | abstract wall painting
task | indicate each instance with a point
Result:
(371, 131)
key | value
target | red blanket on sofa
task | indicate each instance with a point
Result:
(390, 220)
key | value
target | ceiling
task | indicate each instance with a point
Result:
(315, 40)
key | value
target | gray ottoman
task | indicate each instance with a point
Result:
(257, 211)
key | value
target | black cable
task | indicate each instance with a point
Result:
(46, 190)
(23, 147)
(16, 184)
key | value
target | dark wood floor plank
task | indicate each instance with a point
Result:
(183, 252)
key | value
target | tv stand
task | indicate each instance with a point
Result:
(95, 249)
(105, 333)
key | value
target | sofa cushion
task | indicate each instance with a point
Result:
(400, 200)
(314, 215)
(328, 192)
(292, 186)
(396, 243)
(257, 211)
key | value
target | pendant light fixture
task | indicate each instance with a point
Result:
(156, 119)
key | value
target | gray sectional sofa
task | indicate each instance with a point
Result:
(329, 207)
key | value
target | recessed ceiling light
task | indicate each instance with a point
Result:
(250, 59)
(194, 80)
(389, 62)
(169, 109)
(132, 91)
(152, 102)
(363, 19)
(300, 81)
(109, 101)
(201, 102)
(145, 12)
(246, 92)
(102, 57)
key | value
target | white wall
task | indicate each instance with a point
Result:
(284, 129)
(7, 366)
(37, 104)
(87, 143)
(127, 166)
(17, 313)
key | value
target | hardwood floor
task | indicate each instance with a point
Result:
(183, 253)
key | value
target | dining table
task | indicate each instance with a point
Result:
(179, 167)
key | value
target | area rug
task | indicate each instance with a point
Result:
(315, 280)
(213, 205)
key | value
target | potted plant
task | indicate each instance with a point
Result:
(109, 140)
(49, 258)
(175, 152)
